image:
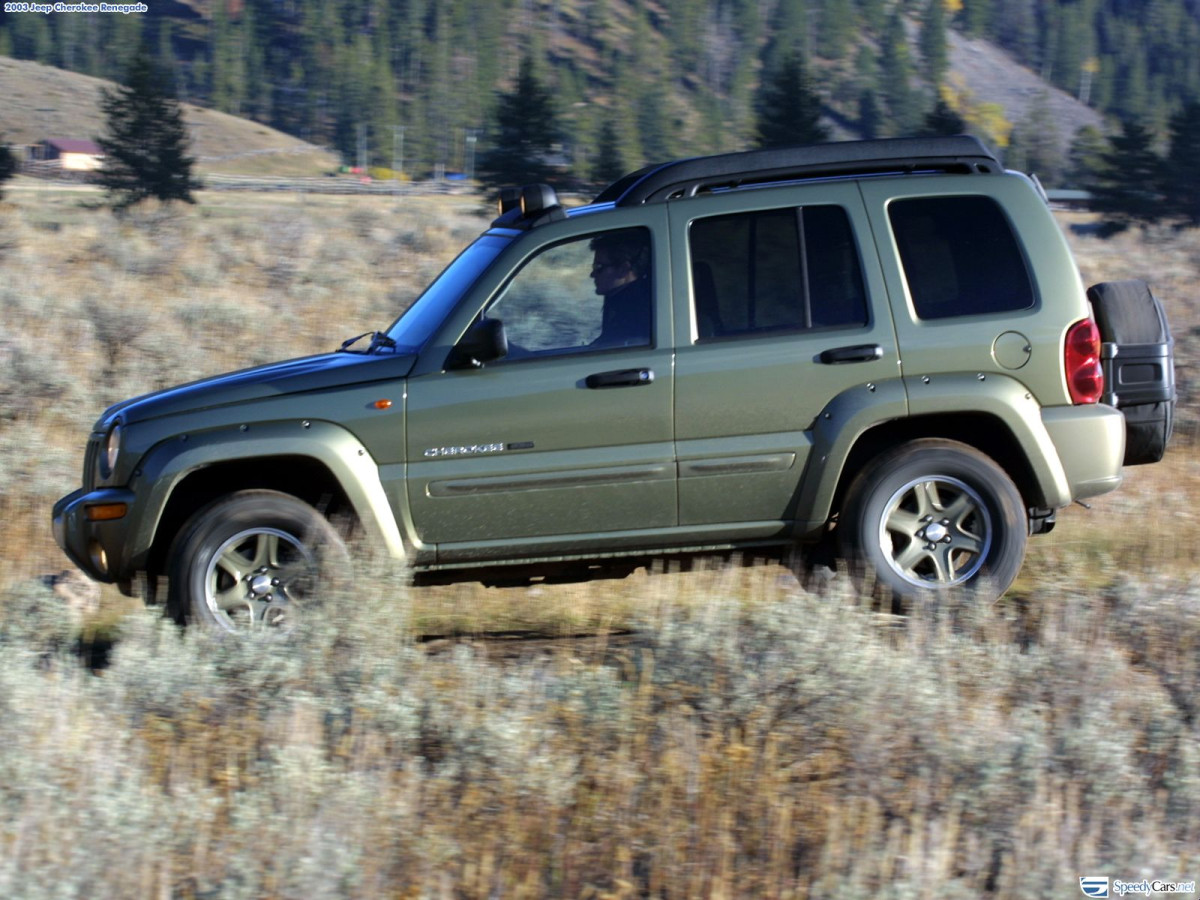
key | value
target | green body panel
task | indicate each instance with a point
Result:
(315, 377)
(1089, 441)
(595, 460)
(745, 407)
(547, 455)
(351, 408)
(978, 344)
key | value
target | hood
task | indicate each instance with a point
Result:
(310, 373)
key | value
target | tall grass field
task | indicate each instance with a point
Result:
(731, 731)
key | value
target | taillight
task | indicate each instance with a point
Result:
(1081, 356)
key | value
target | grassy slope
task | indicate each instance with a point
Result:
(39, 102)
(756, 740)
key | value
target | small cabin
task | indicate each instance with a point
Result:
(71, 154)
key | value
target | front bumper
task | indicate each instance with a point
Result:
(98, 546)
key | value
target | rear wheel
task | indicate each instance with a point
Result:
(933, 515)
(252, 561)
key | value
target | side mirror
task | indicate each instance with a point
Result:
(484, 342)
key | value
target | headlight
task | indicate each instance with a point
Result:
(112, 450)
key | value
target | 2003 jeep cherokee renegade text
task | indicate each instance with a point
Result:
(881, 343)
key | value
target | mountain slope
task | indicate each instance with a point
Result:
(992, 76)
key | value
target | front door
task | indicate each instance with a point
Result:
(569, 439)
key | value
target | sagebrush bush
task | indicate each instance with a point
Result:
(754, 740)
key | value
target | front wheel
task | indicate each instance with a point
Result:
(252, 561)
(932, 515)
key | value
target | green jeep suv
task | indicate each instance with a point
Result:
(882, 345)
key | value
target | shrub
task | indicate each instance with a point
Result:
(754, 740)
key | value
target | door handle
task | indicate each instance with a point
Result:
(620, 378)
(857, 353)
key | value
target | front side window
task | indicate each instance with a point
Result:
(592, 293)
(776, 270)
(960, 257)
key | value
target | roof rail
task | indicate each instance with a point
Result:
(687, 177)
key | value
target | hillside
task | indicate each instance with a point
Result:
(414, 85)
(38, 102)
(993, 76)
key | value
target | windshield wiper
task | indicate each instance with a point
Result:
(379, 341)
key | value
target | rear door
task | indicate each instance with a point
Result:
(786, 312)
(567, 442)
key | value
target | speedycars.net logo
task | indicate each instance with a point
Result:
(1093, 886)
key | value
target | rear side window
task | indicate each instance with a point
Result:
(960, 257)
(776, 270)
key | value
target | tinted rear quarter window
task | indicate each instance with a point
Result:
(960, 257)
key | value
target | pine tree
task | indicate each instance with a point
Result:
(8, 165)
(895, 78)
(526, 131)
(227, 61)
(1181, 176)
(1040, 141)
(788, 34)
(1013, 26)
(837, 28)
(1085, 157)
(1127, 190)
(145, 144)
(933, 42)
(874, 14)
(789, 112)
(942, 120)
(973, 16)
(608, 165)
(868, 115)
(654, 124)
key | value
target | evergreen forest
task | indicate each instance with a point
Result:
(419, 86)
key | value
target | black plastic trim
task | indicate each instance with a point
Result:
(686, 177)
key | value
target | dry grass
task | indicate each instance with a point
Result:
(754, 739)
(98, 309)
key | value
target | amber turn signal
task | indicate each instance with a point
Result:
(383, 404)
(106, 512)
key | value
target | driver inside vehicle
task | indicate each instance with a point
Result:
(620, 271)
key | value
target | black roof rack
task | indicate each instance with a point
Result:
(687, 177)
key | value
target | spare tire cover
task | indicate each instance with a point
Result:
(1130, 316)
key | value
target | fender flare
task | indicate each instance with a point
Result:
(850, 418)
(171, 461)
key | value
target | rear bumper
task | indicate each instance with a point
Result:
(1090, 441)
(97, 547)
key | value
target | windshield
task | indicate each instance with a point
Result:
(417, 323)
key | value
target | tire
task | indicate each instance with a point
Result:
(252, 561)
(1130, 316)
(933, 515)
